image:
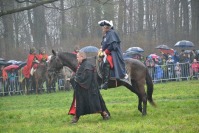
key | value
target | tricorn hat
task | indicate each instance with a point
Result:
(106, 23)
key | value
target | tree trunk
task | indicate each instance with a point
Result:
(195, 21)
(63, 36)
(140, 16)
(176, 19)
(8, 34)
(120, 17)
(39, 25)
(185, 19)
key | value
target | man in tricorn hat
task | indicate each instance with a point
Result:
(110, 46)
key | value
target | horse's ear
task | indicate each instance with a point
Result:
(54, 53)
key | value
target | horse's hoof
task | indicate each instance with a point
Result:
(140, 109)
(144, 114)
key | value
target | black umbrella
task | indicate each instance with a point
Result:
(2, 59)
(136, 49)
(184, 44)
(163, 47)
(91, 49)
(131, 54)
(4, 63)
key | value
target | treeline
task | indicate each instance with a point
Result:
(62, 24)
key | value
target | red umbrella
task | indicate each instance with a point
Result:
(10, 67)
(154, 56)
(167, 51)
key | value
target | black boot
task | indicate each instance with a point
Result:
(106, 71)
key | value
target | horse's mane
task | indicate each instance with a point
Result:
(68, 59)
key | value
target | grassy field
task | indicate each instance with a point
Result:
(177, 111)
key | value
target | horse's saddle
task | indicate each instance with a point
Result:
(99, 64)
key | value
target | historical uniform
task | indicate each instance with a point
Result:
(114, 59)
(42, 55)
(32, 57)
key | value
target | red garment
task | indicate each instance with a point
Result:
(4, 75)
(72, 110)
(109, 58)
(195, 66)
(42, 56)
(27, 68)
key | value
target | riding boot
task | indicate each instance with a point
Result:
(106, 72)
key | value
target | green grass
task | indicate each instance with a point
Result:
(177, 111)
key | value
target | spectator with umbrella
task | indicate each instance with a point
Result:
(12, 77)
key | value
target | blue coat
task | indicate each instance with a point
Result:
(111, 42)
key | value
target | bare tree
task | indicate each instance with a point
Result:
(33, 5)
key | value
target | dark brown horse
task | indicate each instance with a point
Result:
(137, 71)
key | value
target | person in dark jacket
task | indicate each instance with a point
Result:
(87, 98)
(113, 59)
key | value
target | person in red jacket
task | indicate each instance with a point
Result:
(32, 57)
(42, 55)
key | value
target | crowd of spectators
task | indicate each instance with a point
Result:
(184, 64)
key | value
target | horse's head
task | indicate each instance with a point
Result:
(55, 65)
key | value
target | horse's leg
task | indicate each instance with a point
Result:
(37, 85)
(23, 86)
(49, 83)
(135, 89)
(140, 104)
(143, 96)
(27, 83)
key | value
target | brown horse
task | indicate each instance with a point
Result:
(35, 82)
(137, 71)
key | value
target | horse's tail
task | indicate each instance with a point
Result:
(149, 83)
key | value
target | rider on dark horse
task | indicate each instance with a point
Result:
(42, 57)
(32, 60)
(113, 59)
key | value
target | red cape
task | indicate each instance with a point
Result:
(27, 68)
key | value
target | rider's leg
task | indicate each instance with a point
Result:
(106, 72)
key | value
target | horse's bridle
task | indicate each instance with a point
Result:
(53, 70)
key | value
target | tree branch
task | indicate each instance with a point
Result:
(2, 13)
